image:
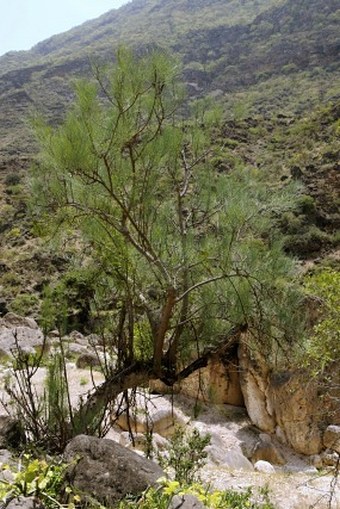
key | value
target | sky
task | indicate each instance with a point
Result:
(24, 23)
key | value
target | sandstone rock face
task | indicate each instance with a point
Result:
(331, 438)
(218, 383)
(283, 403)
(254, 377)
(108, 471)
(297, 411)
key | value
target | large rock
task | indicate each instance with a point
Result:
(107, 471)
(264, 466)
(154, 414)
(11, 321)
(297, 411)
(254, 378)
(265, 450)
(331, 438)
(218, 382)
(19, 332)
(24, 503)
(186, 502)
(281, 402)
(11, 432)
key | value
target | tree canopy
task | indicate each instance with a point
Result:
(188, 253)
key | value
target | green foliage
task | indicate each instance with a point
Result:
(323, 348)
(185, 455)
(24, 304)
(39, 479)
(187, 253)
(159, 498)
(46, 414)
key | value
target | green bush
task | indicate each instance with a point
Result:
(36, 478)
(186, 455)
(159, 498)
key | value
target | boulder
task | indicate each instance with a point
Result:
(186, 502)
(264, 467)
(266, 451)
(12, 321)
(87, 360)
(140, 441)
(254, 378)
(25, 503)
(284, 402)
(297, 410)
(217, 383)
(331, 438)
(154, 414)
(235, 460)
(11, 432)
(17, 331)
(107, 471)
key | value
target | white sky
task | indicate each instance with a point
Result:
(24, 23)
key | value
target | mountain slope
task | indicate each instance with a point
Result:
(226, 47)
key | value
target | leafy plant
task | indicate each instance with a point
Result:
(185, 455)
(160, 498)
(39, 479)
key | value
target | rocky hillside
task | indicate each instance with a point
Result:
(281, 53)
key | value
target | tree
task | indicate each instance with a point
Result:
(188, 252)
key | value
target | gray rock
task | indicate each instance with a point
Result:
(186, 502)
(265, 450)
(11, 432)
(108, 471)
(87, 360)
(235, 460)
(25, 503)
(331, 438)
(26, 338)
(152, 414)
(264, 466)
(11, 320)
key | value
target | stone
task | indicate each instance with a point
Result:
(159, 443)
(264, 467)
(217, 383)
(11, 321)
(24, 503)
(297, 410)
(28, 339)
(254, 377)
(87, 360)
(154, 414)
(235, 460)
(186, 502)
(265, 450)
(11, 432)
(329, 458)
(285, 402)
(316, 461)
(331, 438)
(107, 471)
